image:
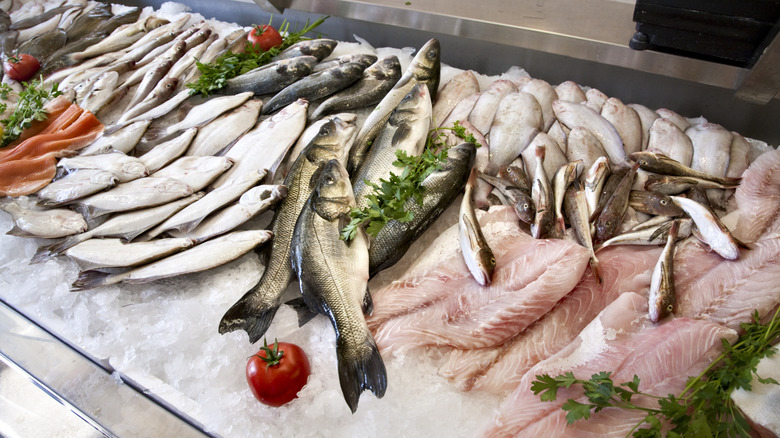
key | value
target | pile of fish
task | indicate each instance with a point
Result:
(585, 225)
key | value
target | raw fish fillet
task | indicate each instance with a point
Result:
(26, 176)
(625, 269)
(531, 275)
(623, 340)
(758, 198)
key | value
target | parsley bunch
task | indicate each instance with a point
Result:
(704, 408)
(229, 65)
(388, 199)
(29, 107)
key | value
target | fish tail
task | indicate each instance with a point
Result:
(360, 368)
(71, 59)
(248, 315)
(560, 227)
(88, 280)
(302, 310)
(595, 266)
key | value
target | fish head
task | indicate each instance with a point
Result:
(661, 306)
(461, 156)
(331, 142)
(364, 59)
(426, 65)
(524, 207)
(386, 68)
(320, 48)
(414, 106)
(153, 22)
(296, 67)
(333, 195)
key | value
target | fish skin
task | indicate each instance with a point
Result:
(139, 193)
(545, 95)
(101, 92)
(364, 59)
(320, 48)
(570, 91)
(484, 110)
(162, 63)
(594, 179)
(254, 311)
(462, 85)
(114, 253)
(168, 151)
(85, 23)
(306, 136)
(653, 203)
(666, 138)
(270, 78)
(573, 114)
(626, 122)
(711, 229)
(162, 109)
(426, 68)
(610, 217)
(673, 117)
(315, 86)
(595, 99)
(441, 188)
(222, 132)
(661, 297)
(475, 249)
(136, 54)
(564, 177)
(646, 118)
(377, 80)
(204, 256)
(711, 153)
(196, 172)
(674, 185)
(517, 120)
(664, 165)
(149, 82)
(575, 205)
(124, 167)
(30, 220)
(543, 197)
(123, 140)
(337, 286)
(44, 45)
(582, 145)
(76, 185)
(209, 110)
(519, 198)
(406, 130)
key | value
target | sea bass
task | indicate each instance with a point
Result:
(270, 78)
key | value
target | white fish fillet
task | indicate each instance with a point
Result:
(758, 198)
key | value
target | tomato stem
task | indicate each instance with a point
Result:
(272, 356)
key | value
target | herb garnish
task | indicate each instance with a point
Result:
(704, 408)
(29, 107)
(388, 198)
(229, 65)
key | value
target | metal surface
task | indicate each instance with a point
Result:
(762, 83)
(103, 402)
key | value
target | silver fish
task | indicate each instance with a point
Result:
(662, 296)
(31, 221)
(320, 48)
(187, 61)
(270, 78)
(424, 68)
(543, 197)
(161, 64)
(123, 140)
(204, 256)
(594, 180)
(39, 29)
(76, 185)
(161, 109)
(711, 229)
(137, 53)
(338, 287)
(674, 185)
(476, 252)
(518, 198)
(124, 167)
(365, 59)
(222, 132)
(196, 172)
(255, 310)
(377, 80)
(564, 177)
(208, 111)
(126, 226)
(149, 82)
(595, 99)
(576, 207)
(133, 195)
(573, 114)
(255, 201)
(165, 152)
(115, 253)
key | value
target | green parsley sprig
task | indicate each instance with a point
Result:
(704, 408)
(388, 199)
(215, 75)
(29, 107)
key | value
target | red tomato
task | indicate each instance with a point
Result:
(275, 374)
(263, 37)
(22, 68)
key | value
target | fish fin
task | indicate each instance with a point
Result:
(48, 252)
(368, 303)
(595, 266)
(249, 316)
(88, 280)
(304, 313)
(114, 128)
(661, 232)
(18, 232)
(360, 369)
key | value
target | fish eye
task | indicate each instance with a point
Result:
(492, 260)
(329, 179)
(643, 162)
(669, 308)
(662, 201)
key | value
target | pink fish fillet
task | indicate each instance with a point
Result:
(625, 269)
(758, 198)
(531, 275)
(620, 339)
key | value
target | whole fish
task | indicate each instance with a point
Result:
(196, 172)
(316, 86)
(255, 201)
(554, 158)
(126, 226)
(149, 81)
(573, 114)
(320, 48)
(476, 252)
(664, 165)
(38, 18)
(667, 139)
(424, 68)
(222, 132)
(255, 310)
(576, 207)
(115, 253)
(653, 203)
(377, 80)
(593, 183)
(270, 78)
(516, 175)
(520, 199)
(611, 216)
(673, 117)
(168, 151)
(31, 221)
(159, 94)
(517, 120)
(406, 130)
(161, 63)
(626, 122)
(462, 85)
(136, 194)
(204, 256)
(312, 129)
(123, 140)
(570, 91)
(163, 106)
(611, 183)
(661, 297)
(545, 95)
(209, 110)
(564, 177)
(124, 167)
(121, 38)
(650, 235)
(646, 119)
(44, 45)
(183, 65)
(711, 229)
(364, 59)
(101, 92)
(338, 286)
(189, 217)
(674, 185)
(481, 116)
(42, 28)
(76, 185)
(138, 52)
(543, 197)
(711, 153)
(439, 190)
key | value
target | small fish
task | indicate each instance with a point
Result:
(662, 296)
(519, 199)
(201, 257)
(271, 78)
(610, 218)
(121, 38)
(595, 178)
(517, 176)
(124, 167)
(101, 92)
(165, 152)
(31, 221)
(149, 82)
(711, 229)
(573, 115)
(664, 165)
(653, 203)
(196, 172)
(163, 108)
(316, 86)
(136, 194)
(649, 234)
(564, 177)
(160, 94)
(221, 133)
(123, 140)
(667, 139)
(76, 185)
(576, 207)
(544, 200)
(114, 253)
(610, 185)
(320, 48)
(39, 18)
(208, 111)
(476, 252)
